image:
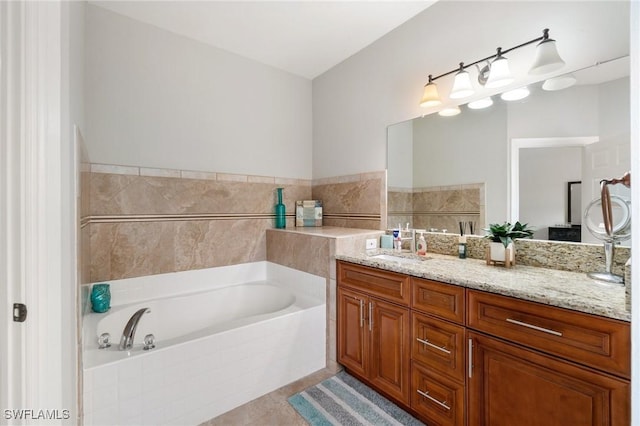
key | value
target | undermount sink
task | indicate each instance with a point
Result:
(398, 259)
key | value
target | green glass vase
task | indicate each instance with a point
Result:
(281, 220)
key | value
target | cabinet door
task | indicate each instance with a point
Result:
(510, 385)
(353, 333)
(390, 345)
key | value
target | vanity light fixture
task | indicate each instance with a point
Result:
(496, 72)
(430, 96)
(515, 94)
(449, 112)
(499, 74)
(462, 87)
(481, 103)
(547, 57)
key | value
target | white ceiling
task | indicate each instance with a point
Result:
(305, 37)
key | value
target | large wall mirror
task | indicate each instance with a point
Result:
(515, 160)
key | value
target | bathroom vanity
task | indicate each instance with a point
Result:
(457, 342)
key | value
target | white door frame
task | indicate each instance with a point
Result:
(514, 163)
(38, 365)
(635, 210)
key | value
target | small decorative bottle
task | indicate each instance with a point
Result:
(462, 246)
(100, 298)
(281, 220)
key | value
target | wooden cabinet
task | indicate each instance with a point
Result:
(373, 333)
(353, 337)
(454, 356)
(438, 367)
(435, 397)
(598, 342)
(545, 365)
(511, 385)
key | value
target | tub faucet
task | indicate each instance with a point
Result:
(126, 341)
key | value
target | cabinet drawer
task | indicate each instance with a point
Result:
(439, 345)
(387, 285)
(436, 398)
(439, 299)
(598, 342)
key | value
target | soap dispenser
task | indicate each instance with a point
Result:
(422, 246)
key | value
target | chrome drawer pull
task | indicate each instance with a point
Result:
(534, 327)
(428, 343)
(370, 316)
(361, 312)
(430, 398)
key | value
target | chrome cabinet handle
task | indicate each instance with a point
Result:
(470, 357)
(361, 312)
(430, 398)
(534, 327)
(370, 316)
(428, 343)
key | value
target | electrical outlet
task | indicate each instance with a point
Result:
(371, 243)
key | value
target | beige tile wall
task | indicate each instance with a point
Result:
(150, 221)
(142, 221)
(353, 201)
(437, 207)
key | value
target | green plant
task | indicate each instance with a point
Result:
(505, 233)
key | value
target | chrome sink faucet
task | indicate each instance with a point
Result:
(126, 341)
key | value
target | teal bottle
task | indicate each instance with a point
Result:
(281, 220)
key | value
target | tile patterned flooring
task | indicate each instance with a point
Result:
(272, 409)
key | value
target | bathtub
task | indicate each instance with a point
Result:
(224, 339)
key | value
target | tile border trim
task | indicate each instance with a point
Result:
(192, 174)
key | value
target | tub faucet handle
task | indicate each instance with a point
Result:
(103, 341)
(149, 342)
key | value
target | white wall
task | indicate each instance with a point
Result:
(564, 113)
(471, 147)
(400, 159)
(355, 101)
(155, 99)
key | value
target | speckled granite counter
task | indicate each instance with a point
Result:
(563, 289)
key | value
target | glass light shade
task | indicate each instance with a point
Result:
(449, 112)
(515, 94)
(499, 75)
(461, 86)
(480, 103)
(547, 58)
(560, 82)
(430, 96)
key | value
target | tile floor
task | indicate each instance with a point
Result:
(271, 409)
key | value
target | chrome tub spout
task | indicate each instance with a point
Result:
(126, 341)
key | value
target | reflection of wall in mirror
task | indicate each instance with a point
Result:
(611, 156)
(467, 149)
(544, 173)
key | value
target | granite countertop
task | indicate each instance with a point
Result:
(570, 290)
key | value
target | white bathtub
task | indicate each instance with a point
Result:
(219, 343)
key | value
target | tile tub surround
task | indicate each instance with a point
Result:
(194, 381)
(313, 250)
(440, 207)
(562, 289)
(353, 201)
(145, 221)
